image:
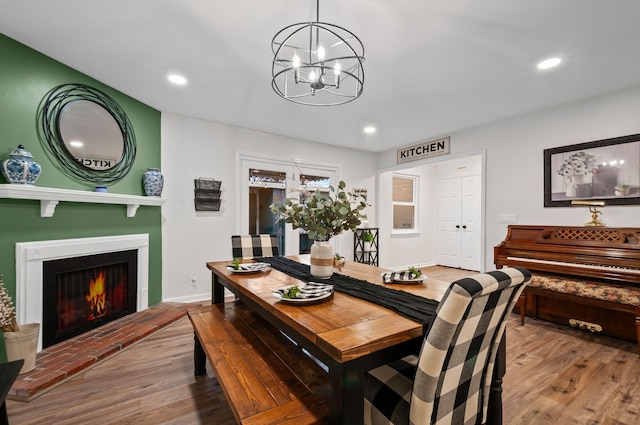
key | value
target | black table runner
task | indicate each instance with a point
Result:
(411, 306)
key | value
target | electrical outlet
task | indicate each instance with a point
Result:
(508, 218)
(194, 279)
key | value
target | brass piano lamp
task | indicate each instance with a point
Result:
(594, 212)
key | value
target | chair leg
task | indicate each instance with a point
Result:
(638, 327)
(522, 304)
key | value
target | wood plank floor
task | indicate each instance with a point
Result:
(555, 375)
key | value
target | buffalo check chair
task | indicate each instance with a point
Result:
(246, 247)
(448, 383)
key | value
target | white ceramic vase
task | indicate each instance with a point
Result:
(322, 259)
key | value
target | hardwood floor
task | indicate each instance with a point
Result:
(555, 375)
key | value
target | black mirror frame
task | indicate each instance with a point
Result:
(49, 132)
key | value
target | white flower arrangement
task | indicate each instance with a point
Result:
(7, 311)
(578, 164)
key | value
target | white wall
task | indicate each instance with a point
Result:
(194, 148)
(402, 250)
(514, 160)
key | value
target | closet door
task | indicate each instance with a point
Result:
(448, 239)
(471, 225)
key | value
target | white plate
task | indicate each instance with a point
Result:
(418, 279)
(250, 268)
(279, 296)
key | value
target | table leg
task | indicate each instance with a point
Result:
(199, 358)
(346, 399)
(217, 290)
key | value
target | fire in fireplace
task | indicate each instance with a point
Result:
(83, 293)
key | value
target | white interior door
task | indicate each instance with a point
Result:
(448, 218)
(471, 228)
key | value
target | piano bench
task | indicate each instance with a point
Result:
(598, 306)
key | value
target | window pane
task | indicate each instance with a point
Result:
(402, 190)
(403, 216)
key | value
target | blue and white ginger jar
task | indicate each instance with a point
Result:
(152, 181)
(20, 168)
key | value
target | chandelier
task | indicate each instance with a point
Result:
(316, 63)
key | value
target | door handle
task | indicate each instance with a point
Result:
(464, 227)
(457, 226)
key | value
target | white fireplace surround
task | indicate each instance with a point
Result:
(30, 257)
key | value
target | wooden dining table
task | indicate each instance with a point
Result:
(347, 334)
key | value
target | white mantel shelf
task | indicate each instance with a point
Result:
(49, 198)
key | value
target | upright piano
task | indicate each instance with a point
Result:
(585, 277)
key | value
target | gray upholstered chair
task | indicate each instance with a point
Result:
(247, 247)
(448, 383)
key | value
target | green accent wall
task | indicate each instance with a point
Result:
(25, 78)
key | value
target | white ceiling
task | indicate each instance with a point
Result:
(432, 66)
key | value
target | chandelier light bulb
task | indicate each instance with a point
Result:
(296, 61)
(321, 53)
(337, 68)
(312, 76)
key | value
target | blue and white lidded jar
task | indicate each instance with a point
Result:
(20, 168)
(152, 181)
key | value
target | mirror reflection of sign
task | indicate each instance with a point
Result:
(424, 150)
(97, 164)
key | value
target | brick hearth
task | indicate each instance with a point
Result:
(62, 361)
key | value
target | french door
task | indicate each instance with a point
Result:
(288, 181)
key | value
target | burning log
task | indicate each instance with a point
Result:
(97, 297)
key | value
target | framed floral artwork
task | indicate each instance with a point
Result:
(604, 170)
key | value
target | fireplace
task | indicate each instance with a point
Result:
(31, 258)
(83, 293)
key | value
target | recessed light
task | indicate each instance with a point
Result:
(369, 130)
(177, 79)
(549, 63)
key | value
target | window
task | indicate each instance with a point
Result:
(404, 202)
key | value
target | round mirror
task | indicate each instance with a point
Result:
(91, 135)
(88, 133)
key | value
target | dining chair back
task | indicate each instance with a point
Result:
(448, 383)
(247, 247)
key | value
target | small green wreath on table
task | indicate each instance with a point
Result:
(414, 273)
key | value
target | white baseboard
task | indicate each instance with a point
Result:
(190, 298)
